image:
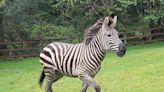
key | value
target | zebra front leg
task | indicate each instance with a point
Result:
(84, 87)
(90, 81)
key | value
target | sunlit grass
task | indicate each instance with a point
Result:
(141, 70)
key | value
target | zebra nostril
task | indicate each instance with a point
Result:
(121, 50)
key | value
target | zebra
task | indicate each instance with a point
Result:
(82, 60)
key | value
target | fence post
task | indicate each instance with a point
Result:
(124, 37)
(10, 53)
(150, 34)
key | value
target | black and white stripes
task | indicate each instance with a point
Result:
(60, 56)
(67, 58)
(79, 60)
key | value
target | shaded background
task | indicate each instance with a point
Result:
(43, 21)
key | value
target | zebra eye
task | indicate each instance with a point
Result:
(109, 35)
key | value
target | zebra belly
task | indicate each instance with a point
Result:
(93, 72)
(69, 71)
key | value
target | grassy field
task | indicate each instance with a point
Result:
(141, 70)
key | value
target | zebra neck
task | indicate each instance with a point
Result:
(96, 49)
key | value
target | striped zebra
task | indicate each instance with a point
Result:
(81, 60)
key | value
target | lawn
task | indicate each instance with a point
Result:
(141, 70)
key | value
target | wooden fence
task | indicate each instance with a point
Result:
(28, 48)
(18, 49)
(32, 48)
(143, 36)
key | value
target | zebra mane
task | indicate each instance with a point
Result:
(90, 32)
(93, 30)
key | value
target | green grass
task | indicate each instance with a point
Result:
(141, 70)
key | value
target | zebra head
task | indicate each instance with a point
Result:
(110, 37)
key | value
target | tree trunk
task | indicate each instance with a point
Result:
(2, 36)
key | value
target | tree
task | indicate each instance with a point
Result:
(36, 19)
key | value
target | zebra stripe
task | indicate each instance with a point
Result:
(65, 57)
(81, 60)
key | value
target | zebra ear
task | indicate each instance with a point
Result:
(114, 21)
(109, 21)
(106, 21)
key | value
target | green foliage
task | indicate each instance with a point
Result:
(155, 8)
(38, 19)
(49, 31)
(2, 3)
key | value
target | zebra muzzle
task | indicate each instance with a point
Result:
(122, 50)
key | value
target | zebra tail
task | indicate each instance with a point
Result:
(42, 76)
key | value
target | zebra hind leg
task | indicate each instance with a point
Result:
(90, 81)
(51, 77)
(84, 87)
